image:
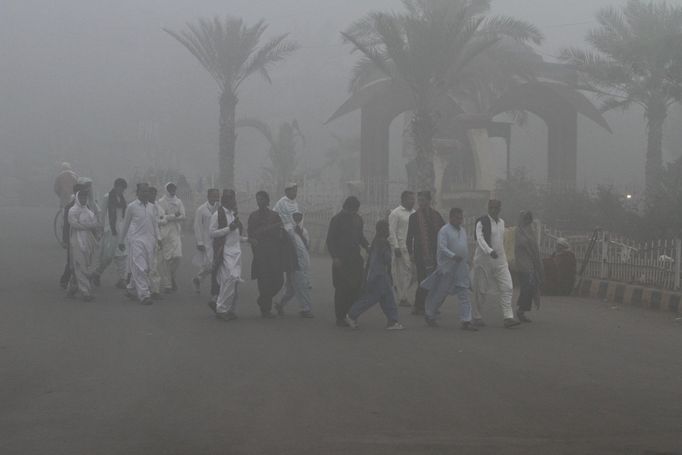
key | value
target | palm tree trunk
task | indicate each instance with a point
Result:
(228, 139)
(656, 114)
(423, 130)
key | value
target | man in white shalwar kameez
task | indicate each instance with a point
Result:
(114, 207)
(491, 270)
(301, 276)
(141, 231)
(171, 234)
(83, 243)
(86, 184)
(403, 271)
(203, 258)
(287, 206)
(226, 232)
(158, 273)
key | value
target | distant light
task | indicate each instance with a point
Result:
(628, 196)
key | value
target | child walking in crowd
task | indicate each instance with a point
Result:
(379, 283)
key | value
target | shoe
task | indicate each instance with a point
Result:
(130, 296)
(522, 317)
(307, 314)
(478, 323)
(280, 309)
(147, 301)
(352, 323)
(395, 326)
(212, 306)
(156, 296)
(509, 323)
(96, 280)
(469, 327)
(121, 284)
(431, 323)
(268, 315)
(197, 285)
(229, 316)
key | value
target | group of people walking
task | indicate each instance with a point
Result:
(418, 249)
(416, 259)
(144, 239)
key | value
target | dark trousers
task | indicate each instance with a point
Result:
(420, 296)
(344, 298)
(66, 276)
(526, 294)
(269, 284)
(348, 281)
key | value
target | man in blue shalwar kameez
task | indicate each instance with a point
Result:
(451, 277)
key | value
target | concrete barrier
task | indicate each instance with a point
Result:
(630, 294)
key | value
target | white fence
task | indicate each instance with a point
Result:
(653, 264)
(615, 258)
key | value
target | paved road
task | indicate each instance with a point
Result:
(113, 377)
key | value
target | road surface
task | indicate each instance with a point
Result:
(114, 377)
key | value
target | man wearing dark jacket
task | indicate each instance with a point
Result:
(345, 238)
(422, 239)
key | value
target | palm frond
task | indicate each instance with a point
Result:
(274, 51)
(259, 126)
(513, 28)
(370, 53)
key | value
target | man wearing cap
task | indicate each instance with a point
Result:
(63, 185)
(268, 242)
(203, 258)
(171, 235)
(287, 206)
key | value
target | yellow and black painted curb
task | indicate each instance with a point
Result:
(630, 294)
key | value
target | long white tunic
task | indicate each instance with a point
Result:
(140, 226)
(398, 221)
(83, 222)
(202, 234)
(232, 253)
(482, 256)
(286, 208)
(302, 253)
(171, 232)
(110, 240)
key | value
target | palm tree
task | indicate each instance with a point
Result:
(231, 52)
(282, 151)
(636, 60)
(429, 50)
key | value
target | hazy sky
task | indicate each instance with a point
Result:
(98, 83)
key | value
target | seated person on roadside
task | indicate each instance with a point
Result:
(560, 270)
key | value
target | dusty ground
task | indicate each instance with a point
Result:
(113, 377)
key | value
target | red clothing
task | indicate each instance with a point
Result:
(63, 185)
